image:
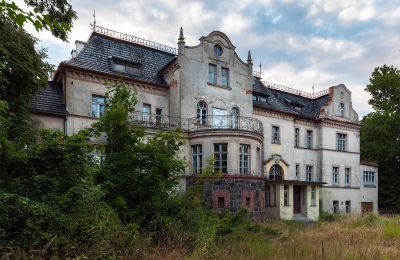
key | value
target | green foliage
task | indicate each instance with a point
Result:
(23, 74)
(391, 228)
(138, 172)
(380, 133)
(368, 220)
(53, 15)
(329, 217)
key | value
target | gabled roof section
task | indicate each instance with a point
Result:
(50, 100)
(101, 47)
(286, 102)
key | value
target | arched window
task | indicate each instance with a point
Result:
(202, 112)
(235, 117)
(341, 109)
(276, 172)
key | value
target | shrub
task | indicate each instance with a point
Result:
(329, 217)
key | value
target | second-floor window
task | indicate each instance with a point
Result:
(212, 73)
(296, 137)
(309, 139)
(275, 135)
(369, 178)
(335, 176)
(309, 173)
(146, 112)
(197, 158)
(244, 159)
(341, 142)
(221, 157)
(158, 116)
(98, 105)
(347, 176)
(201, 113)
(224, 77)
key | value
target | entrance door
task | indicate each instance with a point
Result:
(367, 207)
(219, 118)
(296, 199)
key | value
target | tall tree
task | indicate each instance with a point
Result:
(138, 172)
(24, 72)
(380, 134)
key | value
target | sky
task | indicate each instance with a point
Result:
(300, 44)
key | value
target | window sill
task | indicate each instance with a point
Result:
(219, 86)
(286, 206)
(369, 186)
(313, 205)
(278, 143)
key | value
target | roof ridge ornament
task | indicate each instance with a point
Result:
(295, 91)
(249, 60)
(181, 38)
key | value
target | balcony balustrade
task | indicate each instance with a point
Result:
(220, 122)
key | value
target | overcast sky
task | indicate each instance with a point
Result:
(300, 43)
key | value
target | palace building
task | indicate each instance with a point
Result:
(283, 153)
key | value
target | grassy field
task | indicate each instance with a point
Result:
(368, 237)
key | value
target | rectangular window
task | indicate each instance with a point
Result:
(221, 202)
(347, 176)
(225, 77)
(98, 105)
(297, 171)
(296, 137)
(125, 68)
(158, 116)
(335, 176)
(369, 178)
(275, 135)
(348, 206)
(244, 160)
(341, 142)
(146, 112)
(263, 99)
(286, 195)
(197, 158)
(221, 157)
(255, 98)
(335, 206)
(274, 194)
(248, 199)
(212, 73)
(313, 200)
(258, 162)
(309, 173)
(268, 196)
(309, 139)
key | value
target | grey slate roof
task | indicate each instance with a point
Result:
(50, 100)
(283, 102)
(99, 48)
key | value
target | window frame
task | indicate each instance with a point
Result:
(201, 112)
(100, 106)
(242, 158)
(309, 139)
(224, 79)
(347, 176)
(212, 73)
(313, 196)
(219, 155)
(286, 195)
(275, 134)
(348, 206)
(146, 116)
(335, 175)
(369, 179)
(341, 141)
(335, 206)
(296, 137)
(309, 173)
(197, 156)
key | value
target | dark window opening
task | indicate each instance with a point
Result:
(221, 202)
(248, 199)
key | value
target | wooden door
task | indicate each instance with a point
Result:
(367, 207)
(296, 199)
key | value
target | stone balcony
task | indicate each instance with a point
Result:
(223, 122)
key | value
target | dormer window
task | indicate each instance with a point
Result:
(341, 109)
(218, 50)
(260, 98)
(125, 67)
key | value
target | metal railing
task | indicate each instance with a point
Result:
(229, 122)
(296, 91)
(274, 177)
(134, 39)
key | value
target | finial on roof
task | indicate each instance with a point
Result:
(94, 17)
(181, 38)
(249, 60)
(260, 67)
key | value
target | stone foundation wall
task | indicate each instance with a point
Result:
(236, 191)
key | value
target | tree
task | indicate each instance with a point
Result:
(24, 73)
(380, 133)
(54, 15)
(138, 172)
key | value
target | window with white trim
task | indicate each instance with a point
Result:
(197, 158)
(347, 176)
(369, 178)
(224, 77)
(309, 139)
(341, 141)
(313, 196)
(275, 135)
(221, 157)
(309, 173)
(201, 113)
(98, 105)
(335, 176)
(212, 73)
(296, 137)
(286, 195)
(244, 158)
(146, 110)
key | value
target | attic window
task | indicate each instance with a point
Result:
(260, 98)
(297, 106)
(218, 50)
(125, 67)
